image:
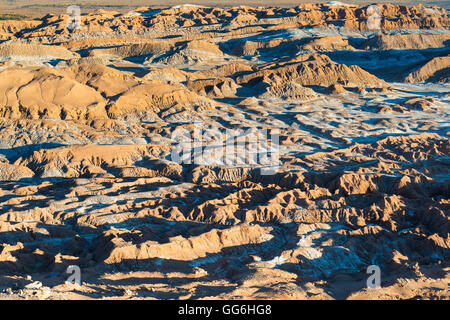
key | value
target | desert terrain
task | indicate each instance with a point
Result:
(89, 175)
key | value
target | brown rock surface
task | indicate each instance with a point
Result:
(435, 70)
(99, 169)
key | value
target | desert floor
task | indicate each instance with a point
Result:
(91, 175)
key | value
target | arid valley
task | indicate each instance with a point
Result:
(351, 100)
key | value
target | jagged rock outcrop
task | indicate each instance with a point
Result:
(407, 41)
(194, 152)
(42, 93)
